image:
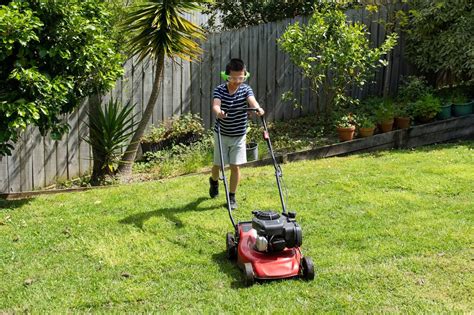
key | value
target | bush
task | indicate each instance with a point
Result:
(52, 54)
(184, 129)
(425, 108)
(441, 39)
(413, 88)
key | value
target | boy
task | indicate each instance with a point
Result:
(232, 94)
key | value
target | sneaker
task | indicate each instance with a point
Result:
(233, 203)
(213, 188)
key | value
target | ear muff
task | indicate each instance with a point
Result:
(225, 76)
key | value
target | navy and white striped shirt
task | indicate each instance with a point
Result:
(235, 124)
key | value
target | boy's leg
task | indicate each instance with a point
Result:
(234, 178)
(215, 172)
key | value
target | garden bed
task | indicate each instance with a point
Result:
(436, 132)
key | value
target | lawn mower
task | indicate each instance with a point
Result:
(268, 246)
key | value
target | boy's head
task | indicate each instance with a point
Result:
(235, 71)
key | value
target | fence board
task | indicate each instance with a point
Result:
(186, 87)
(252, 62)
(195, 87)
(73, 146)
(206, 78)
(280, 73)
(49, 159)
(4, 184)
(262, 67)
(84, 148)
(168, 88)
(271, 67)
(137, 88)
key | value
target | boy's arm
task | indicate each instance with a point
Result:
(216, 108)
(254, 104)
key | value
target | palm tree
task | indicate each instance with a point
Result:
(157, 29)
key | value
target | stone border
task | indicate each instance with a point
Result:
(416, 136)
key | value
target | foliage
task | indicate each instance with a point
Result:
(441, 39)
(345, 120)
(177, 159)
(385, 110)
(426, 107)
(329, 44)
(365, 121)
(158, 29)
(254, 132)
(387, 236)
(183, 129)
(53, 53)
(109, 131)
(413, 88)
(229, 14)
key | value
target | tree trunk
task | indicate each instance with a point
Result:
(125, 167)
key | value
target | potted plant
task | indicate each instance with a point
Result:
(345, 125)
(254, 133)
(402, 116)
(426, 108)
(385, 114)
(366, 125)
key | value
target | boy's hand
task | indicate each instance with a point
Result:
(260, 111)
(221, 115)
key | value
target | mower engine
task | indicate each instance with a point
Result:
(275, 232)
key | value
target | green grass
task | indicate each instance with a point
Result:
(388, 232)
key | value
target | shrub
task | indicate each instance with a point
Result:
(425, 108)
(52, 54)
(184, 129)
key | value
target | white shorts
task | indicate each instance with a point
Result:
(233, 149)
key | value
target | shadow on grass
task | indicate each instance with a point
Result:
(230, 268)
(139, 219)
(13, 204)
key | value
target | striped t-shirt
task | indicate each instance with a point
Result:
(235, 124)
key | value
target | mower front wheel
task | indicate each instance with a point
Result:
(307, 268)
(231, 247)
(249, 278)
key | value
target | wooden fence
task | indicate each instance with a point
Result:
(187, 87)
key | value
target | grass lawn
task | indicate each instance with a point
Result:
(388, 232)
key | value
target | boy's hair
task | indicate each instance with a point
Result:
(235, 64)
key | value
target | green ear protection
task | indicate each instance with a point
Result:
(225, 76)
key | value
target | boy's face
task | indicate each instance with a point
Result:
(236, 77)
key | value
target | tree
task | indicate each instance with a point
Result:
(440, 39)
(333, 54)
(157, 30)
(235, 14)
(52, 55)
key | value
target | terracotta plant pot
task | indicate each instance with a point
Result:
(387, 125)
(366, 132)
(402, 122)
(346, 134)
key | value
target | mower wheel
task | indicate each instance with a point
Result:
(249, 278)
(308, 268)
(231, 248)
